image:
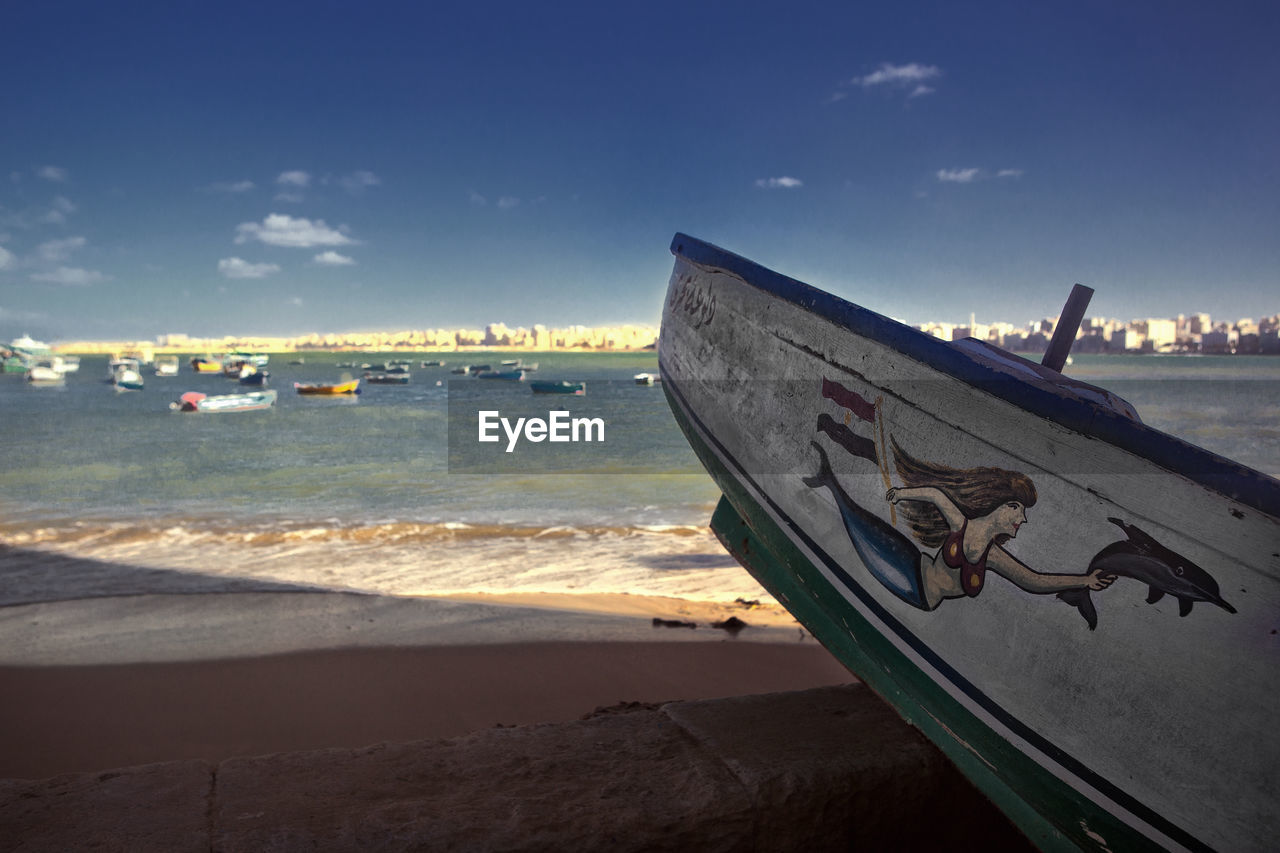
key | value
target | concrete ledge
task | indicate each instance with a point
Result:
(824, 769)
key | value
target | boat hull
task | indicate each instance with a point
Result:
(1120, 731)
(576, 389)
(352, 387)
(250, 401)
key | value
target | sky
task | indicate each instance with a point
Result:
(280, 168)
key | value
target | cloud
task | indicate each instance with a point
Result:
(358, 182)
(7, 260)
(62, 206)
(279, 229)
(958, 176)
(478, 200)
(57, 174)
(333, 259)
(784, 183)
(59, 250)
(912, 74)
(507, 202)
(295, 178)
(239, 268)
(1009, 173)
(72, 276)
(231, 186)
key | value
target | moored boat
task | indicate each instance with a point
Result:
(516, 375)
(166, 365)
(46, 371)
(646, 379)
(125, 374)
(1103, 675)
(562, 386)
(206, 364)
(250, 375)
(387, 378)
(346, 387)
(249, 401)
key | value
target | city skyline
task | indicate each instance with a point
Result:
(286, 169)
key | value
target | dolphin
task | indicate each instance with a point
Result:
(1144, 559)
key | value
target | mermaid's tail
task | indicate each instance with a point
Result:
(888, 554)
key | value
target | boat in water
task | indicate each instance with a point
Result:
(249, 401)
(125, 374)
(388, 378)
(1078, 609)
(166, 365)
(351, 386)
(206, 364)
(562, 386)
(516, 375)
(46, 371)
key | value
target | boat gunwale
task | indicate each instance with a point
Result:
(1231, 479)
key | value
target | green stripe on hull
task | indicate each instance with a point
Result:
(1051, 813)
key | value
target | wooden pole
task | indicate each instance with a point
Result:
(1064, 334)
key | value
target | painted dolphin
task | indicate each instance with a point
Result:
(1144, 559)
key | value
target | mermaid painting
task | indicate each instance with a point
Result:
(968, 515)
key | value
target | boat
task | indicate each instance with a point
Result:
(563, 386)
(351, 386)
(125, 374)
(46, 371)
(646, 379)
(516, 375)
(206, 364)
(70, 363)
(249, 401)
(432, 364)
(462, 370)
(166, 365)
(387, 378)
(1108, 675)
(297, 361)
(250, 375)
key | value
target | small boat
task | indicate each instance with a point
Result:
(125, 374)
(206, 364)
(46, 371)
(646, 379)
(343, 364)
(348, 387)
(251, 375)
(249, 401)
(70, 363)
(462, 370)
(1108, 675)
(166, 365)
(387, 378)
(297, 361)
(432, 364)
(561, 387)
(507, 375)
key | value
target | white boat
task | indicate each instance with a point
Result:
(646, 379)
(46, 371)
(125, 374)
(249, 401)
(1107, 674)
(166, 365)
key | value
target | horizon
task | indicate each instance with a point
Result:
(295, 170)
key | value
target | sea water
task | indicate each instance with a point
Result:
(113, 493)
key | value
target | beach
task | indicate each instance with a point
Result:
(127, 680)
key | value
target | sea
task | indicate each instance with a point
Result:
(105, 493)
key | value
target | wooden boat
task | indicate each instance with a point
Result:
(561, 387)
(1114, 684)
(348, 387)
(249, 401)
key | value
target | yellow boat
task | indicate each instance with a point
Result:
(351, 387)
(205, 364)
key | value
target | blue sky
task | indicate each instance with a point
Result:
(285, 168)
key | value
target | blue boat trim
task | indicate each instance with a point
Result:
(1231, 479)
(1067, 762)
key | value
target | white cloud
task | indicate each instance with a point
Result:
(889, 74)
(54, 173)
(295, 178)
(958, 176)
(359, 181)
(73, 276)
(59, 250)
(921, 90)
(292, 198)
(1010, 173)
(62, 206)
(239, 268)
(333, 259)
(779, 183)
(295, 301)
(507, 202)
(279, 229)
(7, 260)
(478, 200)
(232, 186)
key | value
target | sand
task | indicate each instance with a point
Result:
(103, 683)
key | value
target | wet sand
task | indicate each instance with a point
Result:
(103, 683)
